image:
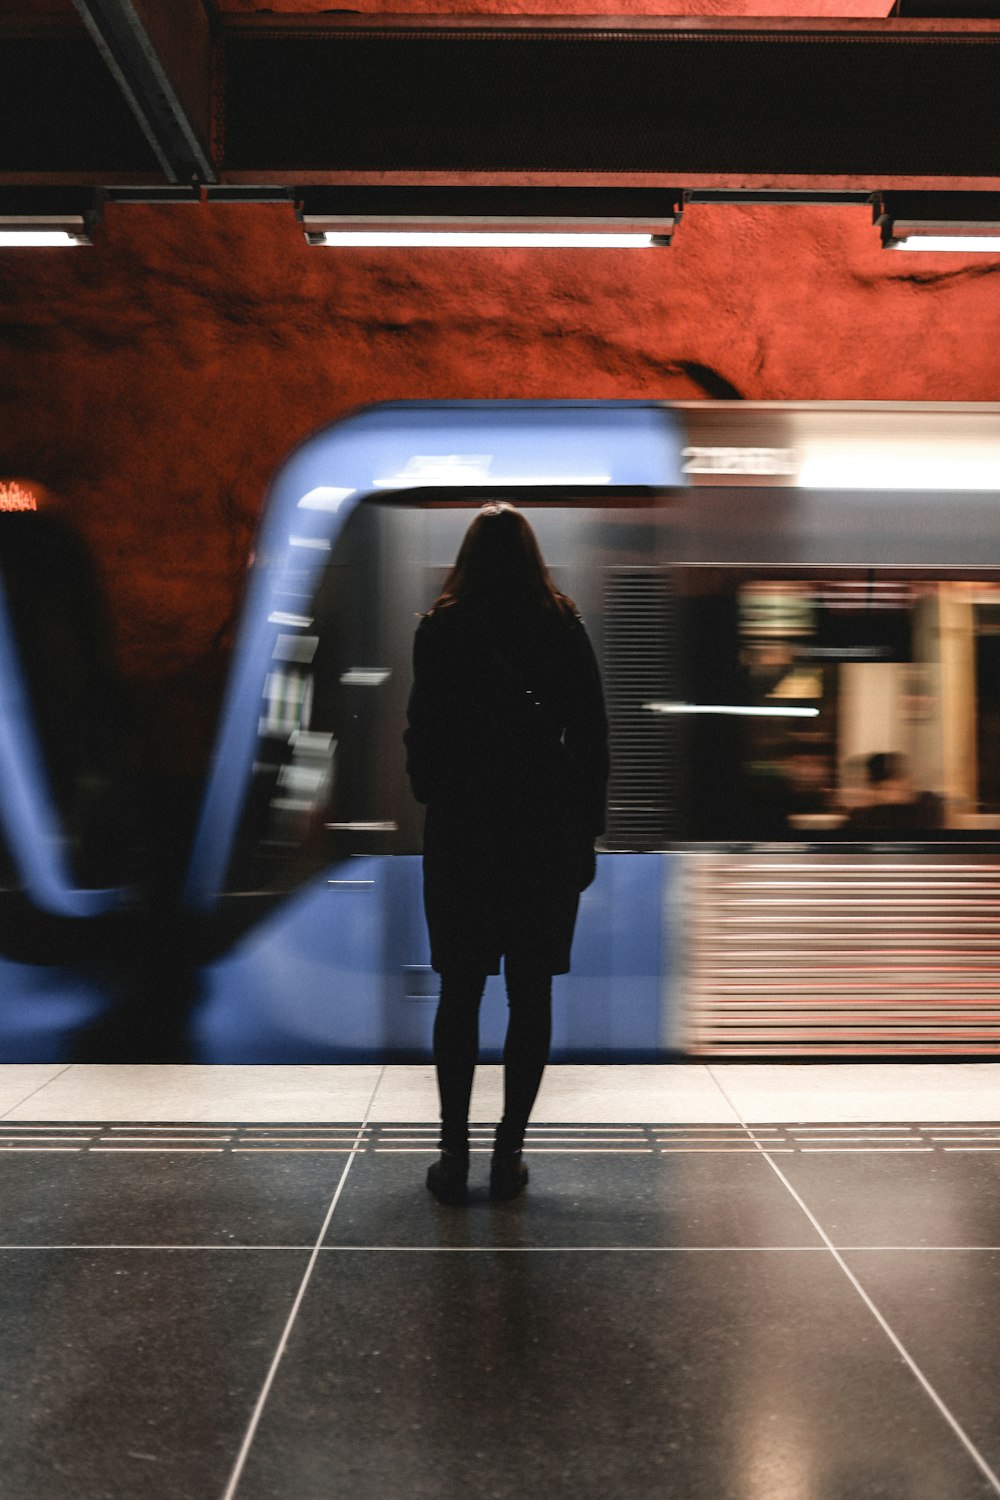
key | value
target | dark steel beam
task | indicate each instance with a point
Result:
(159, 52)
(719, 103)
(644, 101)
(950, 9)
(336, 22)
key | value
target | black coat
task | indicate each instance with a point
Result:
(508, 746)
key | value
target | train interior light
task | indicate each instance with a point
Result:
(912, 465)
(733, 710)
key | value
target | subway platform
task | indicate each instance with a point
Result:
(725, 1282)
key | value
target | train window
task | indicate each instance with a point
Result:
(858, 705)
(745, 704)
(55, 618)
(328, 781)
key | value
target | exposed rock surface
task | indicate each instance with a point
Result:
(157, 380)
(510, 7)
(578, 7)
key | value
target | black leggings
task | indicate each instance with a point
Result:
(525, 1052)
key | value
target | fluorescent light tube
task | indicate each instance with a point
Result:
(488, 239)
(970, 244)
(39, 238)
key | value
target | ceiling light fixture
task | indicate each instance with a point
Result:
(534, 218)
(538, 239)
(35, 218)
(966, 223)
(34, 237)
(983, 243)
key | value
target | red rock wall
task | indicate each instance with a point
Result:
(157, 380)
(572, 7)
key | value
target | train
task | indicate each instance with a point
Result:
(796, 609)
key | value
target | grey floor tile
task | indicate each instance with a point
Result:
(932, 1198)
(575, 1199)
(120, 1199)
(944, 1305)
(134, 1373)
(589, 1374)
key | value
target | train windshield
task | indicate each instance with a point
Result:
(746, 703)
(329, 782)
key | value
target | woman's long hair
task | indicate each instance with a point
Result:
(500, 564)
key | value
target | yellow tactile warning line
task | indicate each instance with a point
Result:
(854, 1137)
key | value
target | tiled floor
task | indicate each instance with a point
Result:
(737, 1282)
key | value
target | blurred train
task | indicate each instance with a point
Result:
(797, 611)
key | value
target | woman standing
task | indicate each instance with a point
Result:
(508, 747)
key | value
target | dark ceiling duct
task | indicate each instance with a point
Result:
(697, 100)
(267, 101)
(949, 9)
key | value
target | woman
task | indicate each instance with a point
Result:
(508, 747)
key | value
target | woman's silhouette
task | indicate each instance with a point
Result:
(508, 746)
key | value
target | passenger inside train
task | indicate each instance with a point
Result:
(871, 706)
(890, 802)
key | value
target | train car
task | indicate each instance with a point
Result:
(797, 612)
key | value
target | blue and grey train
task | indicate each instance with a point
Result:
(796, 607)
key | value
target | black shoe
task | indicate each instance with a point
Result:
(448, 1178)
(508, 1175)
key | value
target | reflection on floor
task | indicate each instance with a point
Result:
(748, 1281)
